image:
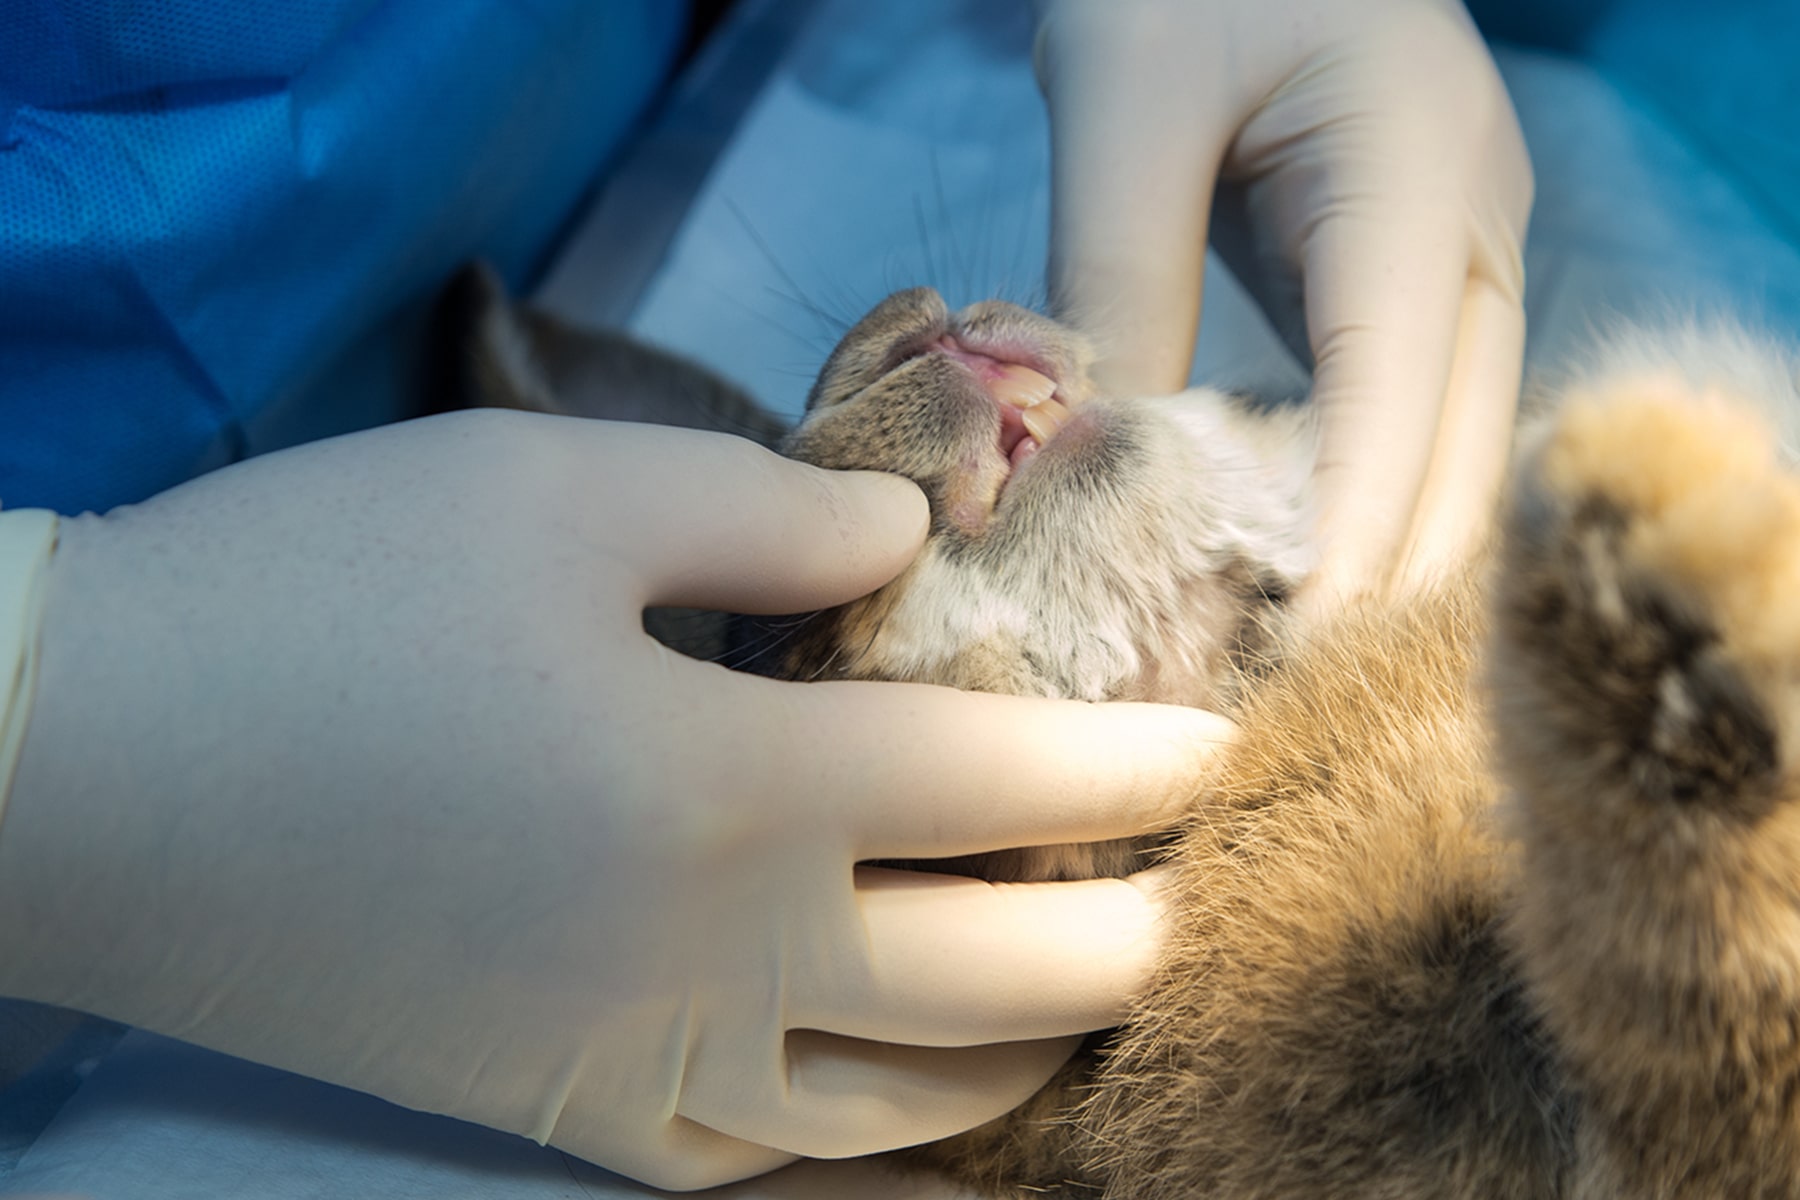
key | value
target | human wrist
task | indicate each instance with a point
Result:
(73, 856)
(33, 872)
(27, 541)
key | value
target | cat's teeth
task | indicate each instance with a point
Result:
(1020, 386)
(1043, 420)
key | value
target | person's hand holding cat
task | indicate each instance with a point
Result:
(355, 760)
(1375, 190)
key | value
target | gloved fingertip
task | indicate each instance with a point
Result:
(889, 510)
(1183, 727)
(1158, 884)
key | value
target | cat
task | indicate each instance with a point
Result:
(1498, 892)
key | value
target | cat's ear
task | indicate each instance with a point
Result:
(490, 352)
(481, 350)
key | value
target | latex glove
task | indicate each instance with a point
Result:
(354, 760)
(1375, 201)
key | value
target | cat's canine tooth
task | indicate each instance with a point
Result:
(1020, 386)
(1043, 420)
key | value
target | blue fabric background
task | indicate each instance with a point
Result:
(218, 217)
(1722, 74)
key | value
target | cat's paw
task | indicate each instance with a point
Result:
(1648, 598)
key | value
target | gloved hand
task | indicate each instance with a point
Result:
(1376, 190)
(354, 760)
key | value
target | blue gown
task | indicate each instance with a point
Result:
(221, 220)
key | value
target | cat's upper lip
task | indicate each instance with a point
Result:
(985, 353)
(978, 353)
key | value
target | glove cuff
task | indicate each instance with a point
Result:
(27, 540)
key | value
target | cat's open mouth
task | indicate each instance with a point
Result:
(1030, 411)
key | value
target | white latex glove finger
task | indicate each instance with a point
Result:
(354, 760)
(1137, 133)
(707, 548)
(831, 1092)
(1468, 463)
(957, 961)
(869, 986)
(1386, 187)
(1050, 772)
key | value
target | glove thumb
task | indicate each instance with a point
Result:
(744, 530)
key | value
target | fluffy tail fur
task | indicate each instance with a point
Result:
(1646, 678)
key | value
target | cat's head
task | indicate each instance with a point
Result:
(1081, 545)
